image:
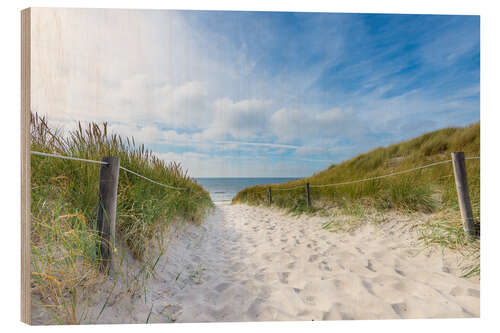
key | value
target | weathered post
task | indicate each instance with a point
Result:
(188, 191)
(308, 195)
(460, 172)
(108, 189)
(270, 196)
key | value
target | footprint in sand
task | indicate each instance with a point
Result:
(237, 289)
(370, 266)
(313, 258)
(323, 266)
(367, 286)
(473, 292)
(339, 284)
(399, 308)
(222, 286)
(283, 277)
(310, 300)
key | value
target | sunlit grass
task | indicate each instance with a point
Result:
(430, 190)
(423, 190)
(65, 258)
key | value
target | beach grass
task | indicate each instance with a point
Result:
(423, 190)
(429, 190)
(65, 260)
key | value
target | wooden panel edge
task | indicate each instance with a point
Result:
(25, 165)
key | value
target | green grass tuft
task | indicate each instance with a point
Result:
(64, 201)
(423, 190)
(430, 190)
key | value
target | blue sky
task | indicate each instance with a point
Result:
(257, 93)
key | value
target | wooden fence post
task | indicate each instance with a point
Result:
(270, 196)
(308, 195)
(108, 188)
(460, 172)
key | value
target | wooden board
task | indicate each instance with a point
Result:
(25, 164)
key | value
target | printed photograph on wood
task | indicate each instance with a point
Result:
(225, 166)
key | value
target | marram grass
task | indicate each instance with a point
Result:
(430, 190)
(64, 201)
(425, 190)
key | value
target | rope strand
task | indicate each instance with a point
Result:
(384, 176)
(153, 181)
(104, 163)
(68, 157)
(276, 189)
(377, 177)
(286, 189)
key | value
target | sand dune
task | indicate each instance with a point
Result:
(251, 263)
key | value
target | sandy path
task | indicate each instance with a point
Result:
(249, 263)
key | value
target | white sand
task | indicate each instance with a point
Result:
(250, 263)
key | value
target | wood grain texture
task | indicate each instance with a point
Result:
(25, 164)
(106, 216)
(463, 192)
(308, 195)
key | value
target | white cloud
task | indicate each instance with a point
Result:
(167, 81)
(245, 119)
(305, 125)
(184, 106)
(146, 134)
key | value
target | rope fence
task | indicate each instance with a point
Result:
(108, 193)
(108, 187)
(153, 181)
(290, 188)
(374, 178)
(459, 171)
(385, 176)
(67, 157)
(106, 163)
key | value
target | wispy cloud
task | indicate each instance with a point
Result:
(253, 93)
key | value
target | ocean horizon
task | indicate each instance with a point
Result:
(223, 189)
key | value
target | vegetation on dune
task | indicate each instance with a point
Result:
(428, 190)
(64, 201)
(422, 190)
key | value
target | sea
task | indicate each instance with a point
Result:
(223, 190)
